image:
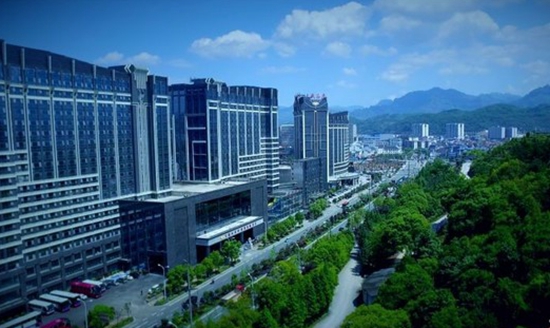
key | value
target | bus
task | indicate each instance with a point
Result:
(74, 298)
(46, 308)
(89, 290)
(99, 284)
(61, 304)
(58, 323)
(31, 319)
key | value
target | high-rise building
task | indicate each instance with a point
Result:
(75, 138)
(311, 125)
(455, 131)
(420, 130)
(497, 132)
(225, 132)
(286, 135)
(511, 132)
(338, 143)
(352, 133)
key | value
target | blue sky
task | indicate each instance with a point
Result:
(356, 53)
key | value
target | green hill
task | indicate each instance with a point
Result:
(525, 119)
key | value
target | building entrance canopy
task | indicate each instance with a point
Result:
(218, 235)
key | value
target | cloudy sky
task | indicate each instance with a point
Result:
(357, 53)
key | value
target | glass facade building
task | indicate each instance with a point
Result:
(75, 138)
(338, 144)
(225, 132)
(311, 128)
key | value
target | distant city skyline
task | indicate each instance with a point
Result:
(356, 53)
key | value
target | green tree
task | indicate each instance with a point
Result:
(404, 286)
(299, 217)
(375, 316)
(217, 259)
(100, 316)
(231, 249)
(208, 265)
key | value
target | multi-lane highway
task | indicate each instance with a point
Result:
(248, 258)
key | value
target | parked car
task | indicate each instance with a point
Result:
(82, 297)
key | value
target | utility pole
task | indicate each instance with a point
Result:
(252, 291)
(189, 294)
(164, 282)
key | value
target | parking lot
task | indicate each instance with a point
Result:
(132, 292)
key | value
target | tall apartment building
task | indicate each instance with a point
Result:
(420, 130)
(338, 143)
(75, 138)
(311, 125)
(225, 132)
(455, 131)
(497, 132)
(352, 133)
(511, 132)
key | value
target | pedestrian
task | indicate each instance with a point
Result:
(142, 292)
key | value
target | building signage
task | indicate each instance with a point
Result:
(239, 230)
(223, 236)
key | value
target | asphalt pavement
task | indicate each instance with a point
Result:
(147, 315)
(346, 294)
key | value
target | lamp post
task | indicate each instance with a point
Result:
(85, 314)
(164, 282)
(298, 255)
(252, 287)
(189, 294)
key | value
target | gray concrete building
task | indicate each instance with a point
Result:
(194, 221)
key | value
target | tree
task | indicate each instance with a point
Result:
(208, 265)
(299, 217)
(217, 259)
(375, 316)
(404, 286)
(100, 316)
(231, 249)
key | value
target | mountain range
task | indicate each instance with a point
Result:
(437, 99)
(526, 119)
(432, 101)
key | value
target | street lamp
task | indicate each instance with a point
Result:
(298, 255)
(189, 294)
(85, 314)
(164, 282)
(252, 287)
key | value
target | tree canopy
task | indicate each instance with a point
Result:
(490, 267)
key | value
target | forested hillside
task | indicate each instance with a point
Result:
(490, 268)
(526, 119)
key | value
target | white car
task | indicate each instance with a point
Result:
(82, 297)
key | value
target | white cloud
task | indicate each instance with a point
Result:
(340, 49)
(233, 44)
(349, 71)
(422, 8)
(346, 84)
(472, 24)
(117, 58)
(369, 49)
(348, 19)
(113, 57)
(539, 67)
(284, 49)
(144, 58)
(395, 23)
(462, 69)
(282, 69)
(410, 63)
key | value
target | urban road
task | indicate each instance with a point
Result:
(132, 295)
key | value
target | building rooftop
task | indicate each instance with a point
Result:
(188, 189)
